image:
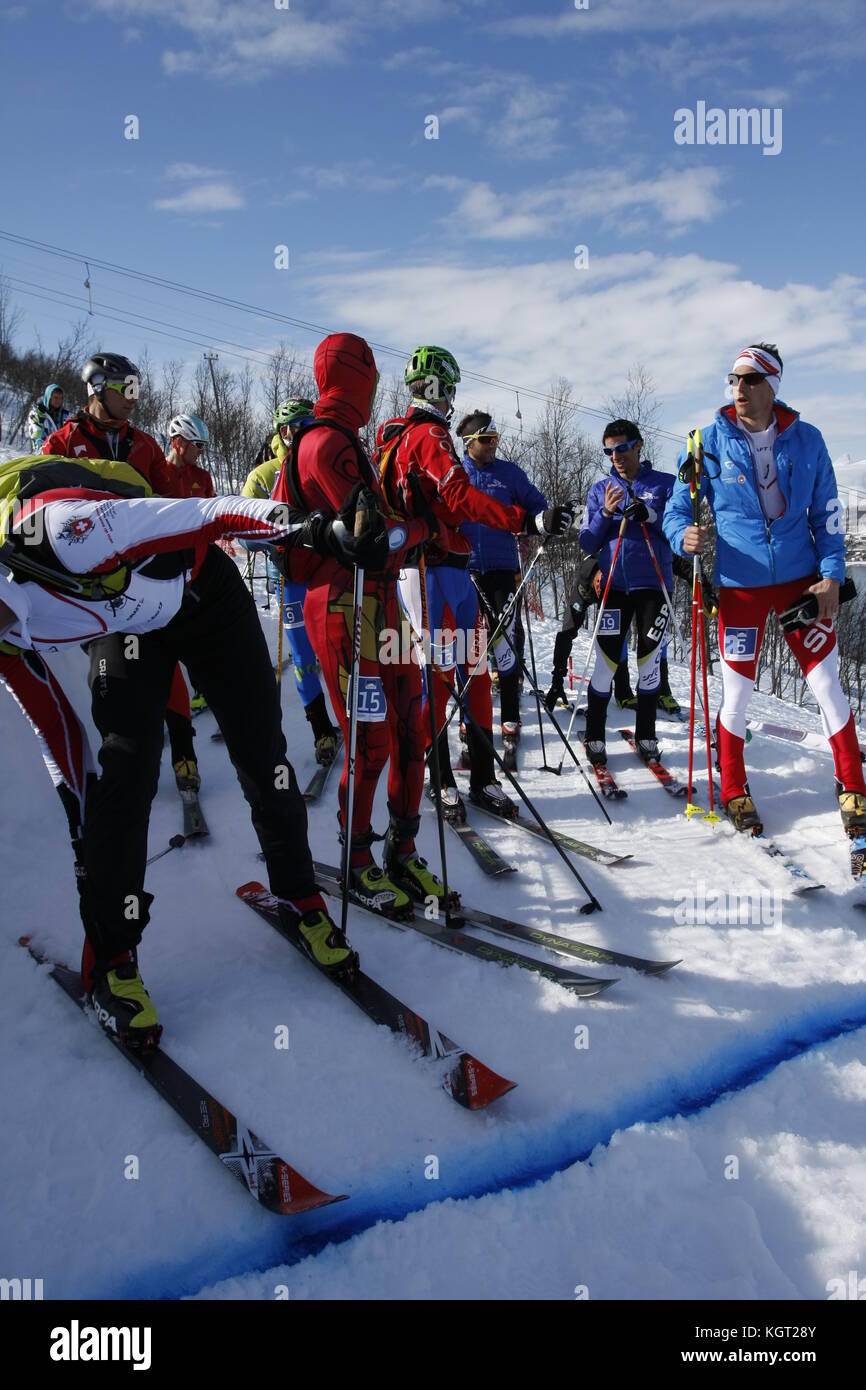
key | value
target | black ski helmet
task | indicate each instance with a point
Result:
(107, 366)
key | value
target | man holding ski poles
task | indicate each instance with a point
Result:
(622, 526)
(768, 478)
(421, 471)
(328, 475)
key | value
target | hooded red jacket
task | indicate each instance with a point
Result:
(328, 467)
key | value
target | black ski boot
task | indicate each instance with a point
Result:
(645, 726)
(324, 733)
(492, 798)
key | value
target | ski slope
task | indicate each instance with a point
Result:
(605, 1167)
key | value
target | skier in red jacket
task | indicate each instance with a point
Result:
(325, 474)
(103, 430)
(419, 444)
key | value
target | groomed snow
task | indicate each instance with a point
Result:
(356, 1112)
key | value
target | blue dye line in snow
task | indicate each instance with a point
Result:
(529, 1158)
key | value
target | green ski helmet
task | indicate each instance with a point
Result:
(436, 371)
(292, 410)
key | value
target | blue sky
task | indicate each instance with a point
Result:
(305, 126)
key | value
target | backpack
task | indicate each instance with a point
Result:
(23, 550)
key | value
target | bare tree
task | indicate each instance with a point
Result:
(639, 402)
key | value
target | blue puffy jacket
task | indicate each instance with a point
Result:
(493, 549)
(752, 551)
(598, 533)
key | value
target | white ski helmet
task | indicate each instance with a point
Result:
(189, 426)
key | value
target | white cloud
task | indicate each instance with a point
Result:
(192, 171)
(673, 198)
(201, 198)
(682, 316)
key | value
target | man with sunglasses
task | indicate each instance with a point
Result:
(768, 478)
(494, 562)
(103, 429)
(637, 493)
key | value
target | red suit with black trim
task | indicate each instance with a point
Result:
(424, 448)
(326, 466)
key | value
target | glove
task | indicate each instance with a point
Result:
(640, 511)
(334, 537)
(556, 521)
(358, 534)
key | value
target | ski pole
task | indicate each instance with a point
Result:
(671, 608)
(174, 843)
(357, 618)
(504, 618)
(544, 766)
(462, 704)
(593, 904)
(595, 630)
(696, 454)
(555, 722)
(280, 634)
(434, 729)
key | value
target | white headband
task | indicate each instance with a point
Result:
(760, 360)
(492, 428)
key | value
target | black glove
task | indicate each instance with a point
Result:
(639, 511)
(556, 521)
(805, 610)
(358, 534)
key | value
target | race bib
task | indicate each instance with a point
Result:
(293, 615)
(609, 626)
(372, 705)
(740, 643)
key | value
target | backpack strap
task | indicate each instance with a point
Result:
(293, 480)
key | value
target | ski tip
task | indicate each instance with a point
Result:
(662, 967)
(474, 1085)
(294, 1194)
(251, 889)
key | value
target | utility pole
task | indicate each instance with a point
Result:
(210, 358)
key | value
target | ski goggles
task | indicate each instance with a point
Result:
(620, 448)
(747, 378)
(129, 387)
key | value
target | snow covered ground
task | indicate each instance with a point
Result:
(611, 1163)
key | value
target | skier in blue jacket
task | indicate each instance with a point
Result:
(770, 483)
(634, 490)
(494, 561)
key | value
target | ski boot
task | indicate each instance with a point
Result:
(326, 748)
(198, 702)
(451, 802)
(377, 891)
(492, 798)
(510, 740)
(320, 938)
(186, 775)
(596, 752)
(648, 749)
(494, 684)
(665, 698)
(626, 699)
(463, 735)
(852, 807)
(120, 1001)
(741, 812)
(410, 872)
